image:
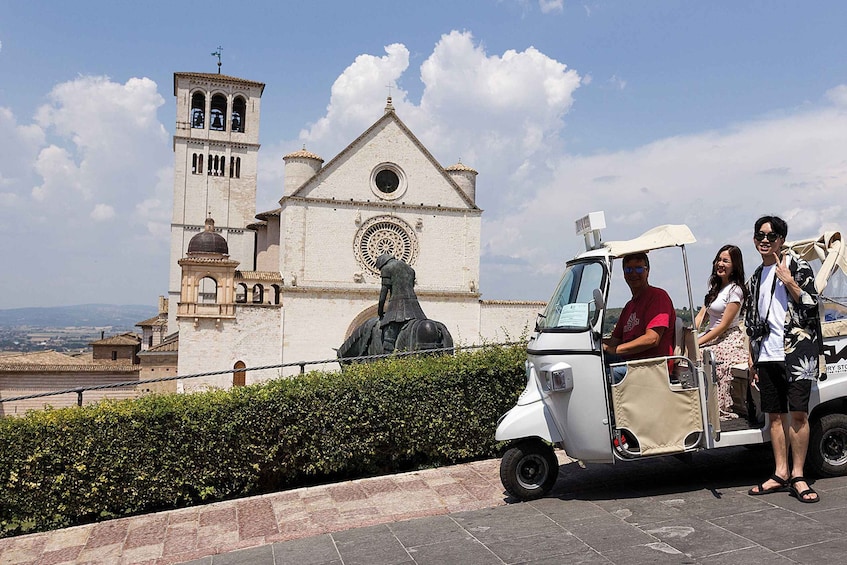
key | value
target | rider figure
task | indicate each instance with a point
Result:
(398, 280)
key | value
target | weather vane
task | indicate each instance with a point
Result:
(218, 55)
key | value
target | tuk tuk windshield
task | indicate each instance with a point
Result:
(572, 307)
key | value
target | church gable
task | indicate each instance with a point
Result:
(386, 164)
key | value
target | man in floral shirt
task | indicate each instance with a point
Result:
(783, 324)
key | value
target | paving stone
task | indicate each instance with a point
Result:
(201, 561)
(652, 511)
(262, 555)
(374, 545)
(696, 538)
(753, 555)
(608, 532)
(777, 529)
(464, 551)
(639, 511)
(147, 531)
(256, 519)
(64, 555)
(425, 531)
(108, 533)
(506, 522)
(708, 504)
(817, 553)
(834, 519)
(586, 556)
(646, 554)
(318, 550)
(523, 549)
(564, 512)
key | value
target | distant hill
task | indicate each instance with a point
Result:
(87, 315)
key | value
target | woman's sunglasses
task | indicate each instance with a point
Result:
(770, 236)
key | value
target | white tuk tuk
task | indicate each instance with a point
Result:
(666, 405)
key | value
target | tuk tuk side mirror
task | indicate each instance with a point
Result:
(599, 301)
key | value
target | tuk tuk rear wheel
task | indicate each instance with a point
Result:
(828, 445)
(529, 469)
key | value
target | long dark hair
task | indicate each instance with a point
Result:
(737, 275)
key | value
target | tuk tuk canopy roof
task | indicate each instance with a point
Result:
(669, 235)
(828, 249)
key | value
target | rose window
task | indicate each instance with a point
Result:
(385, 234)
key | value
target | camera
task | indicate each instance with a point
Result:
(758, 330)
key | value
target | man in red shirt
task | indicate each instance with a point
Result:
(646, 326)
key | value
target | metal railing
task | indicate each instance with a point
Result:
(302, 364)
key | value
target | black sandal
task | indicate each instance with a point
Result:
(801, 496)
(781, 486)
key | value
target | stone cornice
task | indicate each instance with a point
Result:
(214, 78)
(372, 290)
(392, 205)
(513, 302)
(212, 142)
(25, 368)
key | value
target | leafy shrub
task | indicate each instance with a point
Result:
(64, 467)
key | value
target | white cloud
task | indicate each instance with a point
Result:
(716, 182)
(617, 82)
(548, 6)
(359, 90)
(501, 114)
(94, 142)
(838, 95)
(102, 213)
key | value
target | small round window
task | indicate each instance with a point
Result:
(388, 181)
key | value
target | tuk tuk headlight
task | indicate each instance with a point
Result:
(559, 377)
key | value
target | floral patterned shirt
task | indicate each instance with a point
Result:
(803, 335)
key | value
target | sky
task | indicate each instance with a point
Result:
(703, 113)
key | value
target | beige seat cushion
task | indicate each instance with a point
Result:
(659, 417)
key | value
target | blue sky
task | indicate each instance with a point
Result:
(705, 113)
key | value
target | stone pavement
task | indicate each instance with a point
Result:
(663, 510)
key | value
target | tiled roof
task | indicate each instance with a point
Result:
(461, 167)
(85, 368)
(122, 339)
(53, 361)
(268, 276)
(269, 214)
(303, 154)
(41, 358)
(154, 321)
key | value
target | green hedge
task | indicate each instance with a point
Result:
(64, 467)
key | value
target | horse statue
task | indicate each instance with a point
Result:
(402, 324)
(415, 335)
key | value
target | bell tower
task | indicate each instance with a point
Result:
(216, 146)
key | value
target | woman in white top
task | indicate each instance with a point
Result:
(722, 309)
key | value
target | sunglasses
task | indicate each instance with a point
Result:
(771, 236)
(630, 270)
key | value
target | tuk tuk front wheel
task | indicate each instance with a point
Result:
(529, 469)
(828, 445)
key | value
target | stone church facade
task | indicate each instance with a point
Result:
(289, 285)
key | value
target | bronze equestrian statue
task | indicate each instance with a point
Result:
(400, 326)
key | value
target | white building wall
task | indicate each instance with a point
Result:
(507, 321)
(255, 338)
(319, 243)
